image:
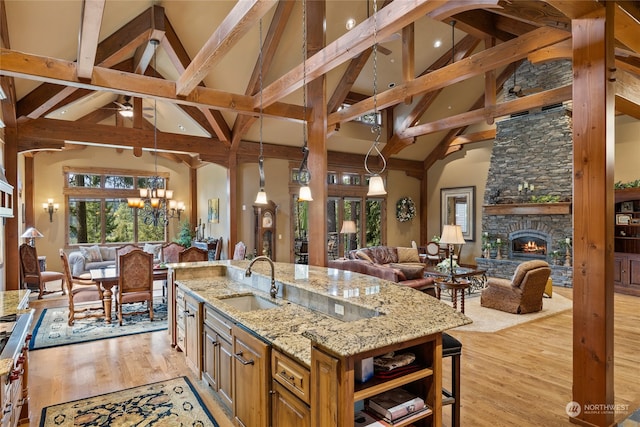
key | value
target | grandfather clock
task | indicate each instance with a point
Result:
(265, 231)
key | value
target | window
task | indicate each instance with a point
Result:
(97, 209)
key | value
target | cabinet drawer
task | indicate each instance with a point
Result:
(180, 299)
(290, 374)
(217, 322)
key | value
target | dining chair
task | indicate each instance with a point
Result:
(30, 271)
(170, 252)
(433, 253)
(80, 291)
(193, 254)
(135, 282)
(218, 249)
(121, 250)
(239, 251)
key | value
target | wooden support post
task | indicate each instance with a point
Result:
(593, 163)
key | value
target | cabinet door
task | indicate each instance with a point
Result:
(193, 335)
(210, 358)
(225, 372)
(633, 268)
(618, 269)
(287, 410)
(251, 381)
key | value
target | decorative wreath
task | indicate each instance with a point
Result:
(405, 209)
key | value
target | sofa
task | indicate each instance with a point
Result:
(396, 264)
(90, 257)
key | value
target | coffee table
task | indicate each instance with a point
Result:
(453, 287)
(477, 277)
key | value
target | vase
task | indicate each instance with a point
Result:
(498, 254)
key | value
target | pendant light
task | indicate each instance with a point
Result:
(376, 183)
(261, 197)
(304, 176)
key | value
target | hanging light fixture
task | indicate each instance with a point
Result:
(376, 183)
(155, 205)
(304, 176)
(261, 197)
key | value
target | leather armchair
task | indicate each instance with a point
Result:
(522, 294)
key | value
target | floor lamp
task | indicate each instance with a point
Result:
(452, 235)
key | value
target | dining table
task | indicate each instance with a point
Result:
(108, 278)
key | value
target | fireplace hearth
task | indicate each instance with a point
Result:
(529, 244)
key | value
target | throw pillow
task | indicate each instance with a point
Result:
(91, 253)
(107, 253)
(363, 256)
(153, 249)
(408, 255)
(410, 271)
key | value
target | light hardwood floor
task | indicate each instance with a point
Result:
(520, 376)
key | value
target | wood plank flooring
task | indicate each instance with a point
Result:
(520, 376)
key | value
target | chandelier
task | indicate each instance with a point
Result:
(155, 205)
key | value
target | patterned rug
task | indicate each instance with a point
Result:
(490, 320)
(52, 329)
(167, 403)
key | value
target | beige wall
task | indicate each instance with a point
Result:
(468, 167)
(400, 185)
(212, 184)
(49, 182)
(627, 163)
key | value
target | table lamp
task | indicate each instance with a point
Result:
(348, 227)
(452, 235)
(31, 233)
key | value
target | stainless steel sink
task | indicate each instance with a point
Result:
(250, 303)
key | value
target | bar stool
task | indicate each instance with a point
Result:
(451, 347)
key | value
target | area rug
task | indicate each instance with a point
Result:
(52, 329)
(167, 403)
(490, 320)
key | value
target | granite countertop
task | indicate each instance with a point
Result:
(404, 313)
(12, 302)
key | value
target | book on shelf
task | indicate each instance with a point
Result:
(394, 404)
(404, 421)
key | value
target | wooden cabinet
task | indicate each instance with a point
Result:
(626, 268)
(286, 409)
(179, 339)
(217, 355)
(334, 392)
(627, 221)
(626, 273)
(290, 394)
(193, 333)
(251, 378)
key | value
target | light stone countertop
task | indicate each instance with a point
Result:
(405, 313)
(10, 301)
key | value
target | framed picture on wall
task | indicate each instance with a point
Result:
(214, 211)
(458, 208)
(626, 206)
(622, 219)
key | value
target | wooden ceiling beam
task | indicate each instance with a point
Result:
(236, 24)
(211, 121)
(389, 20)
(480, 24)
(122, 44)
(518, 105)
(474, 65)
(575, 9)
(89, 35)
(408, 56)
(562, 50)
(34, 67)
(270, 45)
(626, 28)
(627, 92)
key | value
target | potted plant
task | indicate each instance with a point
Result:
(185, 234)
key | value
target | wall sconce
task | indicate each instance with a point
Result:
(50, 207)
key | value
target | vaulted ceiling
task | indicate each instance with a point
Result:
(68, 66)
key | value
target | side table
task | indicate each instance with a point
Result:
(454, 287)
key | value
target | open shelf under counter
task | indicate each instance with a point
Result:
(560, 208)
(376, 386)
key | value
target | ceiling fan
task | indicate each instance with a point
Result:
(125, 108)
(519, 91)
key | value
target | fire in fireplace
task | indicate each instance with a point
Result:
(529, 244)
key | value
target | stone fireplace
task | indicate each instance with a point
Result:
(533, 148)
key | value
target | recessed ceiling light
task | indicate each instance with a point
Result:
(63, 112)
(392, 84)
(437, 43)
(182, 128)
(350, 23)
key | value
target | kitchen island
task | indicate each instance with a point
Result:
(323, 325)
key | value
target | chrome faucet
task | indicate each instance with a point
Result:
(274, 289)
